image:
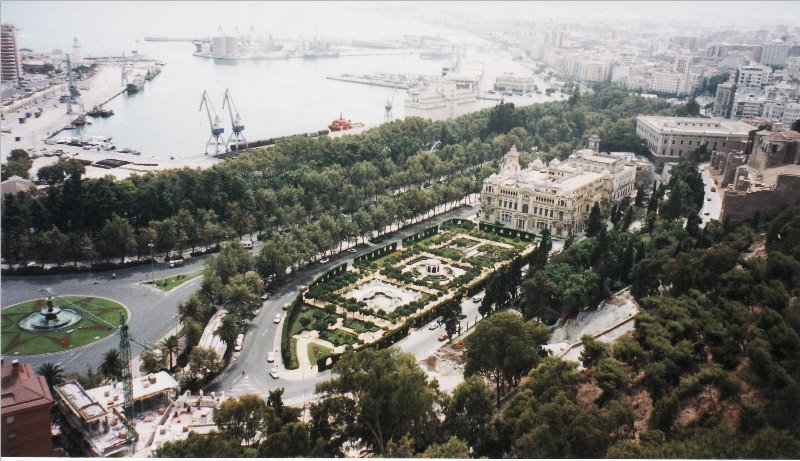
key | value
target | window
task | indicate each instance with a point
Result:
(524, 207)
(10, 419)
(12, 435)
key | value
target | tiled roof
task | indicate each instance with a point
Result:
(23, 389)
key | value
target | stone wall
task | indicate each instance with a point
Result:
(740, 206)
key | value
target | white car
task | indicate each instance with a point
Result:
(274, 373)
(351, 250)
(324, 260)
(433, 326)
(271, 356)
(477, 299)
(277, 318)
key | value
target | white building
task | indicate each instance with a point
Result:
(672, 138)
(9, 54)
(668, 82)
(557, 197)
(510, 81)
(753, 76)
(442, 100)
(775, 54)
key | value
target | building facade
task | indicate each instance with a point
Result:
(723, 102)
(10, 66)
(557, 196)
(754, 77)
(442, 101)
(25, 412)
(510, 81)
(775, 54)
(670, 139)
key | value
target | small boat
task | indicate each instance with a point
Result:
(80, 121)
(97, 111)
(342, 124)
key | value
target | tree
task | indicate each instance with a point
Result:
(51, 245)
(595, 222)
(212, 445)
(639, 200)
(469, 412)
(292, 441)
(451, 315)
(611, 376)
(503, 348)
(111, 366)
(116, 238)
(593, 351)
(228, 330)
(170, 345)
(453, 448)
(243, 418)
(53, 374)
(204, 361)
(18, 163)
(380, 395)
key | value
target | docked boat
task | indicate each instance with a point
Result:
(342, 124)
(80, 121)
(135, 86)
(98, 111)
(320, 54)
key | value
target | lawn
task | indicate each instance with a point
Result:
(176, 280)
(316, 318)
(317, 351)
(17, 341)
(338, 337)
(359, 326)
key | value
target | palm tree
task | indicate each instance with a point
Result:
(228, 329)
(111, 367)
(170, 346)
(52, 373)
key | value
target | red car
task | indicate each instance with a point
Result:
(443, 337)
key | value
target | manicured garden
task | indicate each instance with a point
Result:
(16, 341)
(378, 300)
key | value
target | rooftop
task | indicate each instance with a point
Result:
(23, 389)
(143, 387)
(696, 125)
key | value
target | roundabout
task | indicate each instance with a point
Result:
(43, 326)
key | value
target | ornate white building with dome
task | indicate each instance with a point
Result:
(558, 196)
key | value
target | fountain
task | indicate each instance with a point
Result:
(50, 318)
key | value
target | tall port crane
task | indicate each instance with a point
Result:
(388, 116)
(215, 123)
(125, 341)
(237, 125)
(72, 90)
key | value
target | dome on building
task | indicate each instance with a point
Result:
(554, 163)
(538, 163)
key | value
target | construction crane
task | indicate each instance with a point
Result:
(125, 341)
(388, 116)
(237, 125)
(215, 123)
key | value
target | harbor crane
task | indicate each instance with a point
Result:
(237, 125)
(215, 123)
(72, 91)
(125, 341)
(388, 116)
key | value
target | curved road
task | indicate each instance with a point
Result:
(153, 313)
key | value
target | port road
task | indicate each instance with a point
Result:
(712, 201)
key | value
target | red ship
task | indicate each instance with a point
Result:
(342, 124)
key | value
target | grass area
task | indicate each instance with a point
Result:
(316, 318)
(380, 261)
(176, 280)
(360, 326)
(317, 351)
(17, 341)
(338, 337)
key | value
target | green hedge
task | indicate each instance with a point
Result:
(429, 232)
(506, 232)
(377, 253)
(288, 350)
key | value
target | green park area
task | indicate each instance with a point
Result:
(166, 284)
(317, 351)
(17, 341)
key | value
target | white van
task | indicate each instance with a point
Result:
(239, 341)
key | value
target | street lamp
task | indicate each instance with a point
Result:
(152, 261)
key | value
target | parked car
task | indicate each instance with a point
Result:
(247, 244)
(271, 356)
(706, 213)
(286, 306)
(277, 318)
(303, 289)
(713, 189)
(443, 337)
(274, 373)
(477, 299)
(265, 296)
(708, 199)
(351, 250)
(324, 260)
(176, 263)
(433, 326)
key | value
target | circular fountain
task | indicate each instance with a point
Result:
(50, 318)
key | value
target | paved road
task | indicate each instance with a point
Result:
(153, 312)
(249, 372)
(713, 206)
